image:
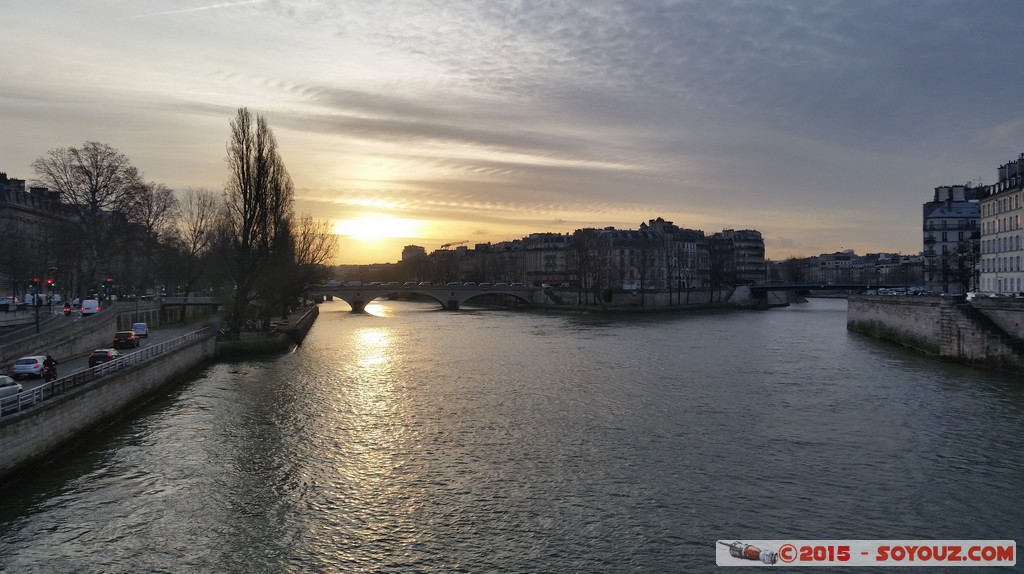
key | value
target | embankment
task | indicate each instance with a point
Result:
(285, 335)
(986, 333)
(33, 434)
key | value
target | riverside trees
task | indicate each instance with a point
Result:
(247, 243)
(99, 184)
(263, 246)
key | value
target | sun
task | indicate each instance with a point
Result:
(370, 228)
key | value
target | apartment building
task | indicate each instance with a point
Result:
(1001, 248)
(737, 257)
(951, 238)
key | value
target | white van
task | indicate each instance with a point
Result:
(141, 329)
(90, 307)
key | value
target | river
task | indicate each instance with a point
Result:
(410, 439)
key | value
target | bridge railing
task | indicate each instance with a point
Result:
(26, 399)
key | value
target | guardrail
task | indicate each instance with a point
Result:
(25, 399)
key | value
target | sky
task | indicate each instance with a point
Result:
(825, 125)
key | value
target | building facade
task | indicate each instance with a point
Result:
(951, 239)
(39, 239)
(1001, 246)
(737, 257)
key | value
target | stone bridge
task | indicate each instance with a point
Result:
(450, 297)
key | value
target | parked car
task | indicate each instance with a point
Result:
(9, 386)
(31, 366)
(141, 329)
(103, 356)
(125, 340)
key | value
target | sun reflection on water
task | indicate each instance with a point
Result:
(379, 433)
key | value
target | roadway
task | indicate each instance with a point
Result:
(71, 366)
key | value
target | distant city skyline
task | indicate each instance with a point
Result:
(823, 125)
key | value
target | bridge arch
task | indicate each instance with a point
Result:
(451, 298)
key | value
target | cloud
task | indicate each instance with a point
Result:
(217, 6)
(818, 122)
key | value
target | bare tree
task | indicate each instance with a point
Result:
(154, 209)
(98, 183)
(196, 221)
(313, 246)
(315, 243)
(256, 214)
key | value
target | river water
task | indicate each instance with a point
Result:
(410, 439)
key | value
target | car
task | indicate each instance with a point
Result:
(100, 356)
(469, 284)
(501, 284)
(30, 366)
(517, 284)
(409, 284)
(90, 307)
(484, 285)
(125, 340)
(9, 386)
(141, 329)
(453, 283)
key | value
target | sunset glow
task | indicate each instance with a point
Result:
(374, 228)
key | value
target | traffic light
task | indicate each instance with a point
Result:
(49, 284)
(34, 283)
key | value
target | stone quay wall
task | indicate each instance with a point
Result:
(35, 433)
(987, 333)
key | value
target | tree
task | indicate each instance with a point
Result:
(315, 246)
(256, 214)
(196, 221)
(154, 209)
(98, 183)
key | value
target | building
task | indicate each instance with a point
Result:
(951, 238)
(39, 239)
(686, 257)
(737, 257)
(546, 258)
(1001, 249)
(413, 252)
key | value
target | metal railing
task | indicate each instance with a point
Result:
(25, 399)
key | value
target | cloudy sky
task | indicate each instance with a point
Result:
(823, 124)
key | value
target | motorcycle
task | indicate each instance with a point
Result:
(67, 310)
(49, 373)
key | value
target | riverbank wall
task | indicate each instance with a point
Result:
(283, 336)
(987, 333)
(34, 434)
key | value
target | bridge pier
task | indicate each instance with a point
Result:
(358, 306)
(453, 305)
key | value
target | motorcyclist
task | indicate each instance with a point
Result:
(50, 367)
